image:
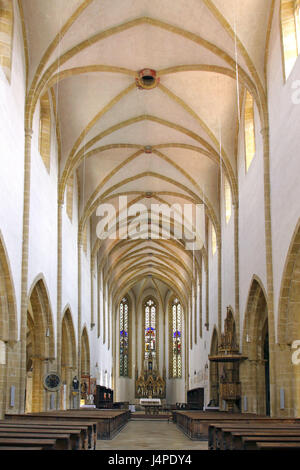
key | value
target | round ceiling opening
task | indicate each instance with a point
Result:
(147, 79)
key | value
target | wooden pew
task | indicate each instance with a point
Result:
(75, 436)
(88, 427)
(237, 437)
(13, 442)
(219, 434)
(109, 422)
(195, 424)
(278, 446)
(62, 441)
(9, 448)
(250, 442)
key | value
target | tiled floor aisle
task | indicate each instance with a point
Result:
(144, 435)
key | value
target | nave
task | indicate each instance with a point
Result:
(151, 435)
(150, 217)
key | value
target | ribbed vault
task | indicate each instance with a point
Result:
(171, 144)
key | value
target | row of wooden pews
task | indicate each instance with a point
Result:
(226, 431)
(195, 424)
(274, 434)
(60, 430)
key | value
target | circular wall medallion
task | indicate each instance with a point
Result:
(147, 79)
(52, 382)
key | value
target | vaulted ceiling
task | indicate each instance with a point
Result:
(89, 54)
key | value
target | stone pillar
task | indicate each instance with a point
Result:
(219, 253)
(59, 295)
(3, 366)
(39, 394)
(12, 374)
(236, 272)
(269, 269)
(24, 272)
(79, 319)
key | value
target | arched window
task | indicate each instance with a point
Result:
(45, 130)
(175, 341)
(124, 337)
(150, 329)
(297, 20)
(69, 196)
(213, 240)
(290, 23)
(85, 238)
(6, 35)
(249, 130)
(228, 200)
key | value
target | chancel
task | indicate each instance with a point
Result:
(149, 224)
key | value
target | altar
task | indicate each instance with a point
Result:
(152, 405)
(150, 385)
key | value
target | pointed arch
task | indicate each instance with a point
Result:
(85, 353)
(289, 328)
(40, 348)
(68, 358)
(8, 311)
(255, 343)
(8, 324)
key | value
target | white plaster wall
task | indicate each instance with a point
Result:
(284, 118)
(252, 253)
(212, 281)
(198, 372)
(228, 260)
(12, 99)
(69, 259)
(42, 258)
(86, 284)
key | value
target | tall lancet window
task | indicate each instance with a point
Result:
(290, 34)
(250, 147)
(6, 36)
(150, 329)
(175, 341)
(124, 337)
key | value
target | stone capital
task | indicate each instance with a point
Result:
(28, 132)
(265, 131)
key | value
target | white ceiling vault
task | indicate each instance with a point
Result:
(89, 52)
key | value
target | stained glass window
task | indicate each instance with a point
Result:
(150, 329)
(124, 340)
(176, 329)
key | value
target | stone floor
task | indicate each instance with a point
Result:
(151, 435)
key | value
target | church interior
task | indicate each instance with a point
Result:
(149, 223)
